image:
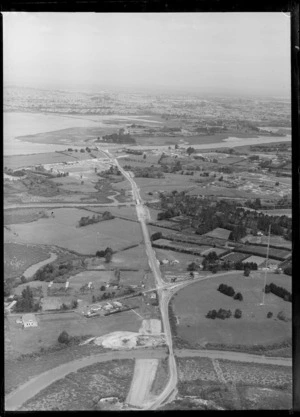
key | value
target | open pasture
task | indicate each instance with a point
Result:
(192, 303)
(24, 215)
(134, 258)
(18, 257)
(62, 230)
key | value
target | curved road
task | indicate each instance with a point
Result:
(15, 399)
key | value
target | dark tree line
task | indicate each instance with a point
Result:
(223, 314)
(279, 291)
(26, 302)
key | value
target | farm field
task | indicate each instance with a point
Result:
(80, 390)
(18, 257)
(234, 385)
(169, 183)
(24, 215)
(274, 241)
(24, 161)
(187, 247)
(62, 230)
(192, 303)
(134, 258)
(120, 211)
(261, 251)
(24, 341)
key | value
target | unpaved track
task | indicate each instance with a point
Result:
(143, 377)
(17, 398)
(233, 356)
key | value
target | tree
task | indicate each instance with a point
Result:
(108, 257)
(190, 150)
(144, 156)
(102, 288)
(246, 272)
(281, 316)
(193, 267)
(237, 313)
(238, 296)
(269, 315)
(64, 338)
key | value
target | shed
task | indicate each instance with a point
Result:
(29, 320)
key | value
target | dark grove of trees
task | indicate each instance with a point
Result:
(85, 221)
(103, 253)
(279, 291)
(207, 215)
(226, 289)
(51, 271)
(220, 314)
(156, 236)
(26, 302)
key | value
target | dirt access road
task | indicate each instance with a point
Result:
(17, 398)
(143, 377)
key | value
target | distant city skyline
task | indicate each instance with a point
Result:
(203, 53)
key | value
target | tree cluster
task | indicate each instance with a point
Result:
(51, 271)
(85, 221)
(26, 302)
(226, 289)
(107, 254)
(223, 314)
(279, 291)
(156, 236)
(242, 266)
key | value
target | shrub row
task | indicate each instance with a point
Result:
(279, 291)
(223, 314)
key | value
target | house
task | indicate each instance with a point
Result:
(10, 305)
(117, 304)
(153, 295)
(29, 320)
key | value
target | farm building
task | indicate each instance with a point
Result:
(219, 233)
(256, 259)
(29, 320)
(117, 304)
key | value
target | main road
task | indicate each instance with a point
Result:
(142, 213)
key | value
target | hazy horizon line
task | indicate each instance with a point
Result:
(151, 90)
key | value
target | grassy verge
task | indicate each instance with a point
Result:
(20, 370)
(82, 390)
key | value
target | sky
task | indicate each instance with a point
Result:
(236, 53)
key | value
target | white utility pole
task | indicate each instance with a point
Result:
(267, 258)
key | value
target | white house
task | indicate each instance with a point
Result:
(29, 320)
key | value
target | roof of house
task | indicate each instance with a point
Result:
(219, 233)
(29, 317)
